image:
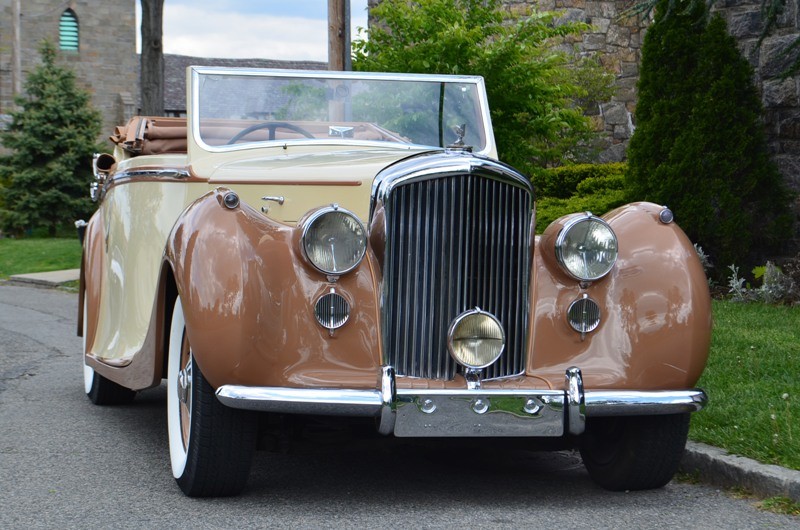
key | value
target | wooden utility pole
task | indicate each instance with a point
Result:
(152, 70)
(339, 35)
(16, 50)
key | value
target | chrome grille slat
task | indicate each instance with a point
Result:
(453, 243)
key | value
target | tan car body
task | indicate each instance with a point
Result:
(248, 292)
(251, 295)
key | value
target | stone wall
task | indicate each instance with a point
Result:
(106, 64)
(616, 40)
(780, 96)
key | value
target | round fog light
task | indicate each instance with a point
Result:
(332, 311)
(476, 339)
(584, 315)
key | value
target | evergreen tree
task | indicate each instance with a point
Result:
(699, 145)
(533, 90)
(52, 138)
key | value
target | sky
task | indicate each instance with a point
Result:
(246, 29)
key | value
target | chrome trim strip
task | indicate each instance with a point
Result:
(440, 163)
(158, 173)
(643, 403)
(326, 402)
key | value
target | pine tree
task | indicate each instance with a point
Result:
(699, 145)
(52, 138)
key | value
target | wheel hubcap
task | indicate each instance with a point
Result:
(185, 384)
(185, 391)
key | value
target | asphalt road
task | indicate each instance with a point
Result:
(65, 463)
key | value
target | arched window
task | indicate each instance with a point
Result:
(68, 31)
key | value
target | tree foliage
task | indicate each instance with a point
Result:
(45, 179)
(699, 145)
(533, 90)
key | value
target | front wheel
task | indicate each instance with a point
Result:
(211, 446)
(635, 452)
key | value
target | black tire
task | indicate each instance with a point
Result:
(211, 445)
(101, 391)
(634, 453)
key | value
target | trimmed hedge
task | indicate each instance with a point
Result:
(595, 188)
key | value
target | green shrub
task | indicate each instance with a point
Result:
(562, 182)
(536, 93)
(699, 145)
(595, 188)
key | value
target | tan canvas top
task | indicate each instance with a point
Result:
(147, 135)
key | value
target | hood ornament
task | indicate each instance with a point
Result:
(461, 131)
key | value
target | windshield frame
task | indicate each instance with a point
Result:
(194, 73)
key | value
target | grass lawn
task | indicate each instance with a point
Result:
(19, 256)
(753, 383)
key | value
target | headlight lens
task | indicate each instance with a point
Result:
(587, 248)
(476, 339)
(334, 240)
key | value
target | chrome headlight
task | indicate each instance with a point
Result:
(476, 339)
(586, 248)
(334, 240)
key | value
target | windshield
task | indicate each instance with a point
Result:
(238, 108)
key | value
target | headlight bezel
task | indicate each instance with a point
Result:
(306, 242)
(561, 246)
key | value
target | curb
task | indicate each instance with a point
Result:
(45, 279)
(720, 468)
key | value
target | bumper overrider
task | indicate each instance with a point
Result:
(469, 412)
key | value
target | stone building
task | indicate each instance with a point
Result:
(95, 38)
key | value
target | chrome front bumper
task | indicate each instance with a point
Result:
(467, 412)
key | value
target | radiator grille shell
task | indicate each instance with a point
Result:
(457, 237)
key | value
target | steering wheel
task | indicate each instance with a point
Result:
(271, 126)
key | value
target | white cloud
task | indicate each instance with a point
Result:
(287, 31)
(203, 33)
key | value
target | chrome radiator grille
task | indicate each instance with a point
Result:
(452, 244)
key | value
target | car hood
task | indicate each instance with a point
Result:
(305, 180)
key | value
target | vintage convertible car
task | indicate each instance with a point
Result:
(346, 245)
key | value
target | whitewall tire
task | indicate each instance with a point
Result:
(210, 445)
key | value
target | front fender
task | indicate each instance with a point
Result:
(248, 298)
(655, 306)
